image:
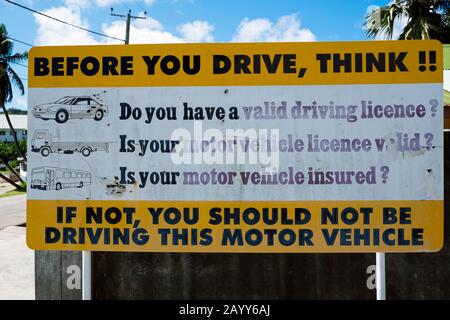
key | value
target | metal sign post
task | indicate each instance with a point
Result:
(380, 276)
(86, 282)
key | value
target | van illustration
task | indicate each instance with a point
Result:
(53, 178)
(71, 107)
(44, 143)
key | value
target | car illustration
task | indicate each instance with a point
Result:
(71, 107)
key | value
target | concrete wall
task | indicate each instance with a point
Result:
(231, 276)
(253, 276)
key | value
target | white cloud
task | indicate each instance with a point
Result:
(148, 30)
(252, 30)
(286, 28)
(77, 3)
(52, 32)
(104, 3)
(141, 31)
(151, 31)
(196, 31)
(19, 101)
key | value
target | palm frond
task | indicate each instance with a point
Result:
(15, 79)
(423, 27)
(6, 93)
(6, 45)
(17, 57)
(443, 5)
(8, 77)
(427, 19)
(381, 21)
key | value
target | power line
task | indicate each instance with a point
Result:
(22, 42)
(67, 23)
(124, 4)
(138, 3)
(22, 65)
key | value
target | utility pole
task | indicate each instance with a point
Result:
(128, 17)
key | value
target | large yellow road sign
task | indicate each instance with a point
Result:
(256, 147)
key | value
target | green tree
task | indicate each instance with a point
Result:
(427, 19)
(8, 78)
(9, 154)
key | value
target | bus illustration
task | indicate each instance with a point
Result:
(53, 178)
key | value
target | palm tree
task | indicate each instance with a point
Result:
(8, 78)
(427, 19)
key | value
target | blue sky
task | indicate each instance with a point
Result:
(184, 21)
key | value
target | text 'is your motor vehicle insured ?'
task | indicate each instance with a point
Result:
(70, 107)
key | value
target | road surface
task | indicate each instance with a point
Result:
(16, 265)
(16, 259)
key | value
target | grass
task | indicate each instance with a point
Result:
(11, 193)
(446, 98)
